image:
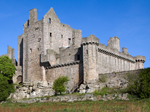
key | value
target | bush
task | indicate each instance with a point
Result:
(59, 84)
(141, 84)
(132, 79)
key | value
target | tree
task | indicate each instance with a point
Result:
(140, 85)
(7, 69)
(59, 84)
(144, 87)
(5, 88)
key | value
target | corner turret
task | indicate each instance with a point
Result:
(139, 62)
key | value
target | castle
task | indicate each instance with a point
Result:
(48, 49)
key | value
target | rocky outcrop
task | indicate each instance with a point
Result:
(116, 80)
(31, 90)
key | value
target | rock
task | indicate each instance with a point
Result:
(82, 91)
(90, 90)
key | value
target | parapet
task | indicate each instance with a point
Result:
(90, 38)
(140, 59)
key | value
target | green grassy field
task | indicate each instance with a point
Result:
(86, 106)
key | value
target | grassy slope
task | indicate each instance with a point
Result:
(86, 106)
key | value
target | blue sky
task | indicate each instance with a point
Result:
(127, 19)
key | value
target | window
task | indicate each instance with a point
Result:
(69, 41)
(50, 34)
(49, 20)
(61, 36)
(28, 24)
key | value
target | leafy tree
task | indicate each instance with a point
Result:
(7, 69)
(5, 88)
(144, 87)
(59, 84)
(141, 85)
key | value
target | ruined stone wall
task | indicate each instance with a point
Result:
(72, 70)
(32, 48)
(70, 54)
(56, 34)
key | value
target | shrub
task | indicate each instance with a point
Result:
(102, 78)
(143, 86)
(140, 85)
(132, 79)
(59, 84)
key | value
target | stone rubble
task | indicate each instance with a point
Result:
(73, 98)
(32, 91)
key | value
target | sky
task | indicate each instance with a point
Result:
(127, 19)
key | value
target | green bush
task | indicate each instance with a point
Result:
(7, 69)
(59, 84)
(141, 84)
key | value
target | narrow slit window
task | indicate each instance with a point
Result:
(69, 41)
(28, 24)
(50, 34)
(49, 20)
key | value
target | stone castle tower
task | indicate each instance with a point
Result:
(48, 49)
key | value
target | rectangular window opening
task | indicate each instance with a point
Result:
(49, 20)
(50, 34)
(69, 41)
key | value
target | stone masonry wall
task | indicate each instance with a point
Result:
(56, 34)
(32, 48)
(100, 59)
(73, 71)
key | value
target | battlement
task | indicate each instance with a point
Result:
(140, 59)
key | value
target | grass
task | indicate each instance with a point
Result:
(107, 90)
(86, 106)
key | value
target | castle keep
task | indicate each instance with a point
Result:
(48, 49)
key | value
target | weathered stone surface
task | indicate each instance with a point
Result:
(26, 91)
(72, 98)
